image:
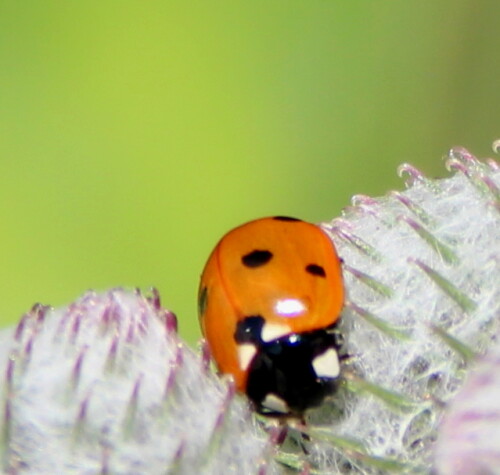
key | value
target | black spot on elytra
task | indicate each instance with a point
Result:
(315, 269)
(285, 218)
(249, 329)
(202, 301)
(256, 258)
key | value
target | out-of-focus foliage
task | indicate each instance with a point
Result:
(133, 134)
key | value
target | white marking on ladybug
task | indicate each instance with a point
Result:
(271, 331)
(327, 364)
(246, 352)
(275, 403)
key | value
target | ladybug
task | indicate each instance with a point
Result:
(269, 300)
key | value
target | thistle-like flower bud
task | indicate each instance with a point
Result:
(105, 386)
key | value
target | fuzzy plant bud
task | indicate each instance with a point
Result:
(106, 385)
(423, 279)
(469, 436)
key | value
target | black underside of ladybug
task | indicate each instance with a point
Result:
(283, 368)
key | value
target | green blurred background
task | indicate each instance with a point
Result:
(134, 134)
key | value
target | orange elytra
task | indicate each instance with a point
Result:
(270, 298)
